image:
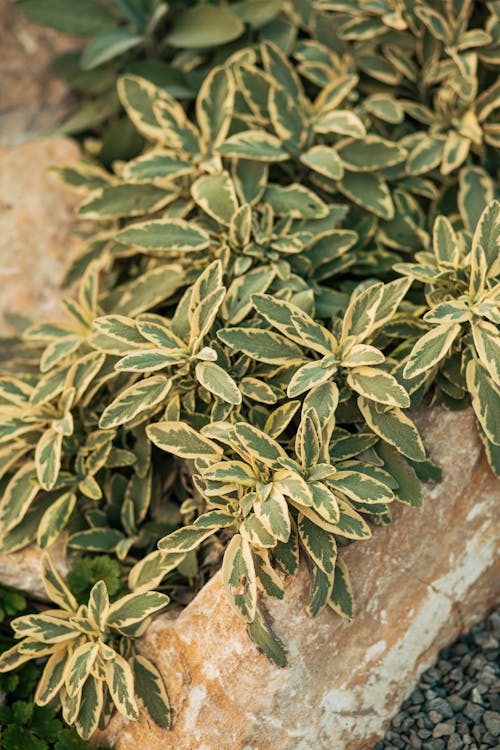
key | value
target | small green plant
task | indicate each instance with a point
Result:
(24, 725)
(92, 667)
(461, 351)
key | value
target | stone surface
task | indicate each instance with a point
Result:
(38, 228)
(32, 98)
(23, 569)
(418, 584)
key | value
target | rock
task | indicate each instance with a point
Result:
(23, 569)
(37, 226)
(491, 720)
(418, 584)
(443, 729)
(32, 98)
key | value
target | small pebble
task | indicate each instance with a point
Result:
(491, 720)
(454, 743)
(443, 729)
(474, 712)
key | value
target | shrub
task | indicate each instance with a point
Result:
(298, 257)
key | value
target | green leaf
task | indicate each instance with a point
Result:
(240, 582)
(18, 496)
(487, 343)
(157, 165)
(182, 440)
(475, 192)
(106, 45)
(309, 376)
(148, 360)
(98, 606)
(45, 628)
(295, 201)
(205, 26)
(488, 232)
(216, 196)
(254, 531)
(264, 346)
(120, 681)
(116, 201)
(55, 519)
(166, 77)
(368, 191)
(140, 397)
(79, 667)
(185, 539)
(451, 311)
(134, 608)
(369, 154)
(409, 490)
(485, 399)
(138, 96)
(149, 572)
(48, 458)
(52, 677)
(350, 524)
(88, 17)
(218, 381)
(214, 105)
(166, 236)
(340, 122)
(385, 107)
(319, 544)
(325, 502)
(324, 160)
(361, 313)
(426, 155)
(321, 589)
(238, 300)
(258, 444)
(379, 386)
(96, 540)
(254, 144)
(342, 599)
(430, 349)
(266, 641)
(150, 690)
(361, 487)
(272, 512)
(394, 427)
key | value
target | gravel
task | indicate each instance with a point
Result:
(456, 704)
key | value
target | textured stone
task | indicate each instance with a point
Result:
(418, 584)
(37, 226)
(32, 98)
(23, 570)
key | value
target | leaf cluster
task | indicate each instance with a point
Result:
(92, 668)
(170, 44)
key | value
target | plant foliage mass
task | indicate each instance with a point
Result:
(303, 250)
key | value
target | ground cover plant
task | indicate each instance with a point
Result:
(300, 255)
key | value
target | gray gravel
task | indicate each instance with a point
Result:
(456, 703)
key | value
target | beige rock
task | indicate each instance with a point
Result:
(23, 569)
(32, 98)
(418, 584)
(37, 226)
